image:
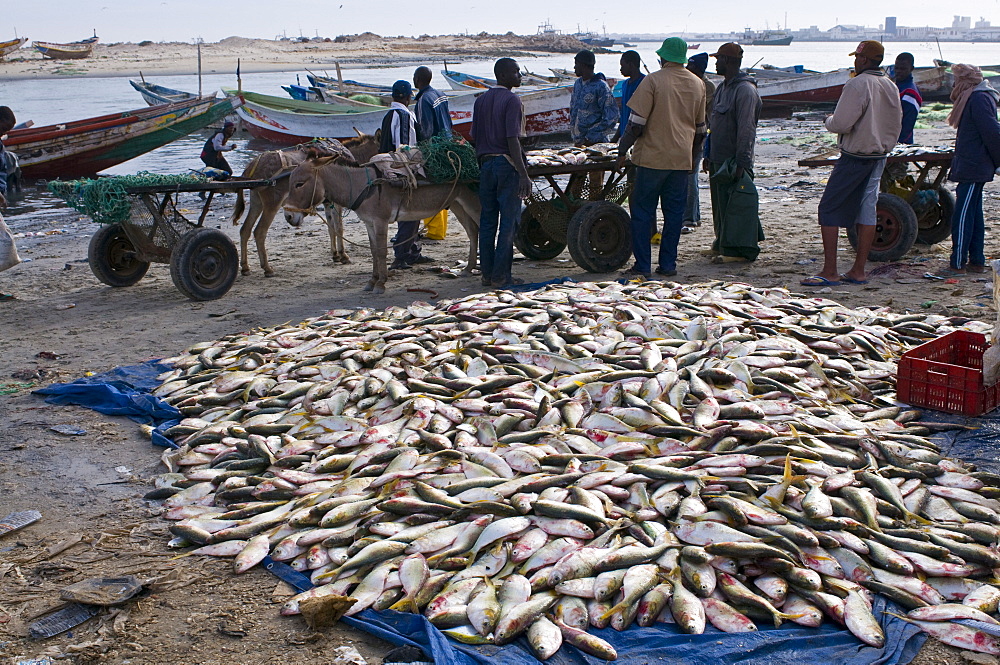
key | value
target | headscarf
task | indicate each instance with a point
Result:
(967, 77)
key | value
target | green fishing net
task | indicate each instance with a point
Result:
(106, 200)
(445, 158)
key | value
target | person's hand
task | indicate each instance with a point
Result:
(523, 187)
(620, 162)
(739, 172)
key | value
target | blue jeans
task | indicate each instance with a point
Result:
(405, 246)
(692, 208)
(651, 187)
(499, 219)
(967, 227)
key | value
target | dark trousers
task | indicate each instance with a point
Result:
(653, 186)
(967, 226)
(692, 209)
(499, 219)
(215, 160)
(404, 244)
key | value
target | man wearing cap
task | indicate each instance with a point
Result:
(666, 124)
(735, 111)
(909, 95)
(211, 153)
(399, 129)
(697, 64)
(592, 111)
(497, 128)
(867, 119)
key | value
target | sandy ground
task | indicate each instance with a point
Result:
(261, 55)
(64, 323)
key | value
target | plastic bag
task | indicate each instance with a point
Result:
(8, 252)
(991, 358)
(437, 226)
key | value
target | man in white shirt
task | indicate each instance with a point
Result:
(399, 129)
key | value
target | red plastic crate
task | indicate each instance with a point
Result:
(947, 375)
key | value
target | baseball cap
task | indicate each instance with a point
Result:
(402, 89)
(674, 49)
(870, 49)
(729, 49)
(699, 60)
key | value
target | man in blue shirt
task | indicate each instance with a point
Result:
(630, 63)
(497, 127)
(909, 95)
(592, 111)
(430, 106)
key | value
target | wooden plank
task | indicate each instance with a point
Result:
(940, 158)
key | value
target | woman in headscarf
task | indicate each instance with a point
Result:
(977, 156)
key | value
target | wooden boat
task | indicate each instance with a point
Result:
(934, 83)
(158, 94)
(289, 122)
(799, 90)
(460, 81)
(11, 46)
(74, 51)
(85, 147)
(347, 85)
(691, 47)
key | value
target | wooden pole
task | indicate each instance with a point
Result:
(340, 77)
(199, 67)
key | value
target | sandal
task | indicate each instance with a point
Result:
(851, 280)
(976, 268)
(817, 280)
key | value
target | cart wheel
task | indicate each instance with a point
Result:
(532, 240)
(203, 264)
(934, 225)
(113, 258)
(895, 229)
(600, 236)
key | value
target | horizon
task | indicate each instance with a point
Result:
(169, 20)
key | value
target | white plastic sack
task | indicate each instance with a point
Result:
(8, 252)
(991, 358)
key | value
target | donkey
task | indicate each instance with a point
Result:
(265, 201)
(378, 204)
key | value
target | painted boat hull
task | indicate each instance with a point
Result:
(934, 83)
(290, 122)
(66, 51)
(11, 46)
(86, 147)
(815, 89)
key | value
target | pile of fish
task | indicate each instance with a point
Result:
(599, 152)
(586, 455)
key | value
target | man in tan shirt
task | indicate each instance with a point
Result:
(666, 126)
(867, 120)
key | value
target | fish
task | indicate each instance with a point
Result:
(585, 455)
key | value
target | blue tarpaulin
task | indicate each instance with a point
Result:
(123, 391)
(663, 643)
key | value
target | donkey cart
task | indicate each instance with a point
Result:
(203, 262)
(583, 213)
(913, 206)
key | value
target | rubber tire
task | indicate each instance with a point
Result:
(533, 241)
(600, 237)
(203, 264)
(112, 257)
(942, 230)
(896, 218)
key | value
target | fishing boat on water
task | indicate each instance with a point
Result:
(11, 45)
(766, 38)
(86, 147)
(72, 51)
(155, 94)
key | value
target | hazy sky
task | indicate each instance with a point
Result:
(183, 20)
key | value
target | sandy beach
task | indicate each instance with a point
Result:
(63, 324)
(261, 55)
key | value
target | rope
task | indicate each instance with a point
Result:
(106, 200)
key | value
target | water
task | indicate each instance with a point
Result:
(50, 101)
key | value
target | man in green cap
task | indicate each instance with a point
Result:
(666, 125)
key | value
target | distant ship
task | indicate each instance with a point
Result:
(767, 38)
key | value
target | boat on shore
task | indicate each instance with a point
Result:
(154, 94)
(73, 51)
(11, 45)
(466, 82)
(809, 89)
(347, 85)
(85, 147)
(289, 121)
